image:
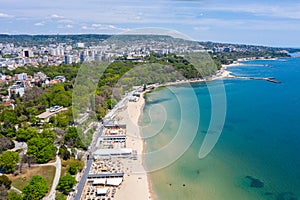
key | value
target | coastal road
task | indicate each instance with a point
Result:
(89, 163)
(83, 179)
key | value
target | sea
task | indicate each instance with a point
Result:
(256, 155)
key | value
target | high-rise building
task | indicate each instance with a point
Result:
(68, 59)
(82, 56)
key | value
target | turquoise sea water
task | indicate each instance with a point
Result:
(258, 153)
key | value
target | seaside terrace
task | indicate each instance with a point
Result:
(113, 136)
(106, 166)
(101, 189)
(106, 173)
(105, 177)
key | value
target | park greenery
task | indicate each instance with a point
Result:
(13, 195)
(8, 161)
(36, 189)
(66, 184)
(41, 148)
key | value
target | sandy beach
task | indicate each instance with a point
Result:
(136, 184)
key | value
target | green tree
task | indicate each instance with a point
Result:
(111, 103)
(48, 134)
(66, 184)
(8, 161)
(23, 118)
(9, 116)
(72, 169)
(62, 120)
(72, 138)
(9, 132)
(34, 120)
(4, 180)
(64, 153)
(25, 134)
(36, 189)
(57, 95)
(42, 149)
(13, 195)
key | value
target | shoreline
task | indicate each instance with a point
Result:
(136, 184)
(131, 114)
(152, 194)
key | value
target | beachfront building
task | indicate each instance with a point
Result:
(109, 153)
(101, 188)
(104, 177)
(113, 136)
(107, 171)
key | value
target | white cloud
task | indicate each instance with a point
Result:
(55, 16)
(107, 27)
(69, 26)
(66, 26)
(40, 24)
(66, 21)
(4, 15)
(104, 27)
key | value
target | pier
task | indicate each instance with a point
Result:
(269, 79)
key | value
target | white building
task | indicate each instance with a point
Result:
(17, 89)
(80, 45)
(27, 53)
(22, 76)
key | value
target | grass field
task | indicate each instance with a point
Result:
(21, 180)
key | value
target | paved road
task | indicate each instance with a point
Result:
(84, 177)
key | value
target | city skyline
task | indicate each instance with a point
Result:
(271, 23)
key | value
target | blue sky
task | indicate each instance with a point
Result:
(274, 23)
